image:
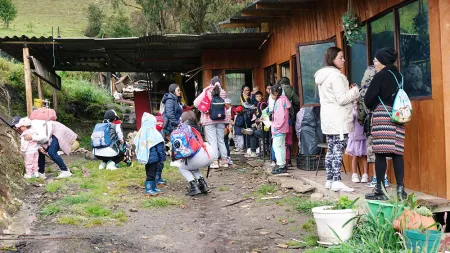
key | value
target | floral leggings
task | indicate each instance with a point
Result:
(333, 159)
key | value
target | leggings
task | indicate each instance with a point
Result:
(333, 159)
(150, 171)
(380, 167)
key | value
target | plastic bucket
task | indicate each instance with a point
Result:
(429, 240)
(328, 221)
(386, 209)
(37, 103)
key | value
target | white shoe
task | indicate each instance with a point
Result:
(223, 163)
(42, 175)
(27, 176)
(214, 165)
(175, 163)
(111, 166)
(328, 184)
(339, 186)
(257, 151)
(64, 174)
(36, 174)
(249, 151)
(355, 178)
(365, 178)
(273, 164)
(102, 166)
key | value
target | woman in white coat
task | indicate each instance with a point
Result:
(336, 99)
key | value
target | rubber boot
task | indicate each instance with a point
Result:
(159, 179)
(279, 170)
(193, 189)
(401, 194)
(148, 188)
(377, 194)
(154, 188)
(202, 185)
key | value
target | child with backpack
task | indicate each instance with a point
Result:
(239, 124)
(202, 154)
(280, 127)
(107, 140)
(228, 130)
(29, 149)
(150, 151)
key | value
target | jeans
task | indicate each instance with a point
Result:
(254, 138)
(52, 151)
(214, 134)
(279, 147)
(227, 144)
(150, 171)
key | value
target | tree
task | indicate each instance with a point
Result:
(7, 12)
(118, 25)
(95, 20)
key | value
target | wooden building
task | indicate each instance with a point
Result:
(300, 30)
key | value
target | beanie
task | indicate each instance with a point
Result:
(173, 87)
(386, 56)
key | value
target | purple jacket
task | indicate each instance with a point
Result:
(280, 122)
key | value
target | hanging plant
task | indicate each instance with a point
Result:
(352, 25)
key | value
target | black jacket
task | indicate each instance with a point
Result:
(384, 85)
(172, 111)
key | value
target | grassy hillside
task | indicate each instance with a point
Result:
(36, 17)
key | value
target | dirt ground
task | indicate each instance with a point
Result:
(203, 224)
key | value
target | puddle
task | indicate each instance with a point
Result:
(21, 224)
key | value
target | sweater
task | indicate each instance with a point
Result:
(280, 123)
(384, 85)
(336, 99)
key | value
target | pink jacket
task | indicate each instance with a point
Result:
(280, 122)
(65, 136)
(204, 118)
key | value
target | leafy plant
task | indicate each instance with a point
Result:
(344, 203)
(424, 211)
(307, 205)
(8, 12)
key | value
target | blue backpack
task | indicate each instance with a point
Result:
(217, 108)
(104, 135)
(186, 142)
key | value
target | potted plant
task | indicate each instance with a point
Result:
(387, 210)
(335, 223)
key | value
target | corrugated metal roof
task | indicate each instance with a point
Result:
(152, 53)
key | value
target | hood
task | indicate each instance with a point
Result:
(169, 95)
(285, 101)
(148, 120)
(321, 75)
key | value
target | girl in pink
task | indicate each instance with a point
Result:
(357, 148)
(29, 148)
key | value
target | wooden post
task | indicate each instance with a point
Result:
(113, 85)
(55, 100)
(28, 89)
(39, 88)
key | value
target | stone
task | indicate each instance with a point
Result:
(317, 196)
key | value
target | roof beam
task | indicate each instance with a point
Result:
(264, 13)
(247, 25)
(282, 6)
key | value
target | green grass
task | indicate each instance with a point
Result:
(162, 202)
(70, 220)
(42, 14)
(266, 189)
(311, 240)
(223, 188)
(74, 200)
(53, 186)
(98, 211)
(50, 210)
(307, 226)
(316, 250)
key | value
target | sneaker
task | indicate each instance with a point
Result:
(36, 174)
(236, 149)
(214, 165)
(386, 182)
(64, 174)
(249, 151)
(372, 183)
(251, 155)
(247, 131)
(28, 176)
(111, 166)
(175, 163)
(223, 163)
(102, 166)
(273, 164)
(230, 162)
(339, 186)
(257, 150)
(365, 178)
(42, 175)
(355, 178)
(328, 184)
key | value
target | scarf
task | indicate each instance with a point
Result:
(147, 138)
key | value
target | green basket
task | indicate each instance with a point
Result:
(430, 239)
(385, 208)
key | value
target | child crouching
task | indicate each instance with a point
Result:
(150, 151)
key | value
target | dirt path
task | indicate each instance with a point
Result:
(200, 224)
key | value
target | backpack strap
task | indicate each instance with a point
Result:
(200, 139)
(399, 86)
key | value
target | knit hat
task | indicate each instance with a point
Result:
(214, 80)
(173, 87)
(23, 122)
(110, 115)
(386, 56)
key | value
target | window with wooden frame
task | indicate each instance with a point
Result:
(309, 60)
(405, 28)
(234, 80)
(270, 75)
(285, 70)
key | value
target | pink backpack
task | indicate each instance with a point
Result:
(43, 114)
